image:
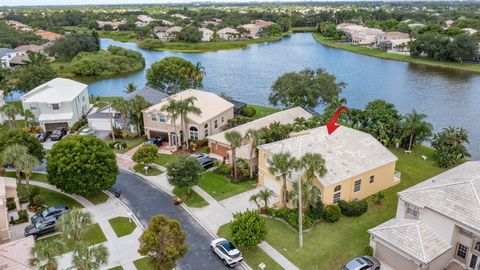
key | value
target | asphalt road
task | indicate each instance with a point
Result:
(146, 200)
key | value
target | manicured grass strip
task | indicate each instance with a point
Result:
(330, 245)
(54, 198)
(220, 187)
(261, 111)
(39, 177)
(304, 29)
(130, 144)
(253, 256)
(165, 159)
(116, 268)
(194, 200)
(100, 101)
(94, 235)
(98, 198)
(122, 226)
(141, 264)
(151, 172)
(393, 56)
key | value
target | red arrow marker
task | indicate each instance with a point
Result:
(332, 125)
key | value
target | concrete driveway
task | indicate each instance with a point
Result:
(146, 200)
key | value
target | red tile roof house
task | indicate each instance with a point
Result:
(50, 36)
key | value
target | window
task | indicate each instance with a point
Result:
(153, 117)
(372, 179)
(412, 210)
(358, 185)
(193, 133)
(215, 124)
(336, 197)
(83, 98)
(55, 107)
(477, 246)
(33, 107)
(461, 252)
(223, 119)
(161, 118)
(338, 188)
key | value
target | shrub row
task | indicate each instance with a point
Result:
(353, 208)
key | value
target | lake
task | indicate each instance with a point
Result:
(449, 97)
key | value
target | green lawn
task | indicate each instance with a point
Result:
(122, 225)
(194, 200)
(164, 159)
(253, 256)
(98, 198)
(328, 246)
(116, 268)
(55, 198)
(261, 111)
(101, 102)
(39, 177)
(220, 187)
(63, 67)
(151, 172)
(392, 56)
(122, 36)
(130, 144)
(6, 125)
(304, 29)
(94, 235)
(141, 264)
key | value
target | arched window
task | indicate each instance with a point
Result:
(477, 246)
(338, 188)
(193, 133)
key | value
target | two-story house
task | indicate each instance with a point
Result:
(58, 103)
(437, 225)
(214, 116)
(357, 164)
(6, 56)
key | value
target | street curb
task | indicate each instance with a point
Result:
(135, 218)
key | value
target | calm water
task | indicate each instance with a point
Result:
(448, 97)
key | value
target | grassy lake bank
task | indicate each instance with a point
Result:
(391, 56)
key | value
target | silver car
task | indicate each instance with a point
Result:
(362, 263)
(86, 131)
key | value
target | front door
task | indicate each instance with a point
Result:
(474, 262)
(173, 139)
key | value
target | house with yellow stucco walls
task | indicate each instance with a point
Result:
(357, 164)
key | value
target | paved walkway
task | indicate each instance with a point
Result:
(120, 249)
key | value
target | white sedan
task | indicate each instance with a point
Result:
(226, 251)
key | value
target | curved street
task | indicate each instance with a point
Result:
(145, 200)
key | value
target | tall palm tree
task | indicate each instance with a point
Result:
(35, 58)
(186, 106)
(173, 111)
(137, 105)
(11, 112)
(122, 106)
(310, 195)
(87, 257)
(265, 195)
(130, 88)
(235, 139)
(283, 164)
(255, 138)
(44, 254)
(416, 128)
(27, 164)
(73, 225)
(28, 117)
(13, 155)
(197, 75)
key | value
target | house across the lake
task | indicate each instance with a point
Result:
(357, 164)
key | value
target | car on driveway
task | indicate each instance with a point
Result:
(198, 155)
(86, 131)
(54, 211)
(158, 141)
(206, 162)
(43, 136)
(363, 263)
(58, 134)
(41, 227)
(226, 251)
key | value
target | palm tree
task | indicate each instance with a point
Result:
(73, 225)
(416, 128)
(197, 75)
(35, 58)
(282, 166)
(130, 88)
(265, 195)
(235, 140)
(87, 257)
(44, 254)
(13, 155)
(255, 137)
(173, 110)
(11, 112)
(310, 195)
(28, 115)
(137, 105)
(27, 164)
(186, 106)
(122, 106)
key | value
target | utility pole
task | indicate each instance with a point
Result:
(111, 122)
(300, 202)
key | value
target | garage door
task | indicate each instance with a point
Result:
(52, 126)
(272, 184)
(158, 134)
(393, 259)
(99, 124)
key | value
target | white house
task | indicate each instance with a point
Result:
(207, 34)
(228, 33)
(252, 30)
(6, 55)
(437, 225)
(58, 103)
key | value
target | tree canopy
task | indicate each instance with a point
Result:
(146, 154)
(31, 76)
(190, 34)
(184, 172)
(248, 228)
(71, 45)
(15, 136)
(449, 146)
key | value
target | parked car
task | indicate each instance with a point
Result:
(54, 211)
(155, 140)
(198, 155)
(41, 227)
(226, 251)
(362, 263)
(43, 136)
(58, 134)
(86, 131)
(206, 162)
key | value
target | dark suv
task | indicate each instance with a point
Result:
(158, 141)
(58, 133)
(41, 227)
(54, 211)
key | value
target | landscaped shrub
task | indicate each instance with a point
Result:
(224, 169)
(249, 111)
(39, 200)
(353, 208)
(80, 123)
(248, 228)
(22, 217)
(11, 204)
(291, 217)
(368, 251)
(316, 212)
(22, 194)
(332, 213)
(34, 191)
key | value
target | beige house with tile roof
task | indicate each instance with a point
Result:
(357, 164)
(8, 190)
(15, 255)
(437, 225)
(216, 112)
